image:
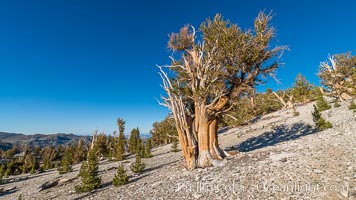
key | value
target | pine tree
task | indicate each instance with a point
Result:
(302, 90)
(65, 165)
(322, 104)
(295, 112)
(27, 164)
(336, 103)
(174, 147)
(135, 141)
(2, 172)
(79, 151)
(121, 141)
(148, 148)
(138, 165)
(352, 105)
(143, 151)
(320, 122)
(83, 169)
(35, 165)
(120, 177)
(89, 171)
(110, 155)
(48, 157)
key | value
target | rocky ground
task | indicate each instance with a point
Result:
(281, 156)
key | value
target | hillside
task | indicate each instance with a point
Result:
(40, 140)
(281, 156)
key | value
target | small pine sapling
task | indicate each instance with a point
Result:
(336, 103)
(352, 105)
(174, 147)
(138, 165)
(120, 177)
(322, 104)
(320, 122)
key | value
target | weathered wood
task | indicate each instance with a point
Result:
(48, 184)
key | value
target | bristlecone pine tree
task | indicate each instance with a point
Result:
(163, 131)
(65, 165)
(339, 75)
(121, 141)
(322, 104)
(303, 90)
(174, 147)
(120, 177)
(35, 165)
(352, 105)
(138, 166)
(336, 103)
(135, 142)
(88, 173)
(320, 122)
(295, 112)
(148, 147)
(206, 77)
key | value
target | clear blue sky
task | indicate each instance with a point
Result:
(75, 66)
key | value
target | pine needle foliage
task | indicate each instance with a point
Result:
(89, 174)
(138, 166)
(120, 177)
(320, 122)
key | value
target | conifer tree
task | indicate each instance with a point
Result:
(120, 177)
(121, 141)
(322, 104)
(338, 75)
(79, 151)
(135, 141)
(148, 148)
(352, 105)
(336, 103)
(35, 165)
(110, 155)
(65, 165)
(295, 112)
(27, 163)
(142, 151)
(89, 171)
(48, 157)
(174, 147)
(320, 122)
(2, 172)
(302, 90)
(138, 165)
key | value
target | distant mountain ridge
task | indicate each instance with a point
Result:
(7, 140)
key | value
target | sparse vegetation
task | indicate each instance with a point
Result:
(320, 122)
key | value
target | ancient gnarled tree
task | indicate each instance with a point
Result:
(339, 76)
(208, 73)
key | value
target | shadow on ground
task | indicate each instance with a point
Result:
(9, 191)
(279, 134)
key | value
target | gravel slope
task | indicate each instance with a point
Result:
(280, 157)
